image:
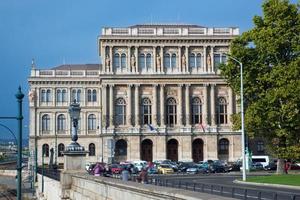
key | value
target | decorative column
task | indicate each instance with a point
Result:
(102, 52)
(230, 105)
(136, 52)
(111, 106)
(111, 59)
(162, 105)
(187, 105)
(128, 59)
(137, 106)
(187, 59)
(154, 60)
(179, 115)
(212, 59)
(129, 111)
(206, 105)
(154, 107)
(204, 59)
(213, 104)
(179, 59)
(104, 107)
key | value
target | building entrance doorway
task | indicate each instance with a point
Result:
(146, 150)
(197, 150)
(172, 150)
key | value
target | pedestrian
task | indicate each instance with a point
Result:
(144, 176)
(97, 169)
(286, 167)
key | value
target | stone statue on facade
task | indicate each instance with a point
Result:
(208, 60)
(133, 62)
(32, 95)
(107, 62)
(183, 60)
(158, 62)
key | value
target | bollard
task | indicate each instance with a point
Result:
(211, 189)
(245, 194)
(221, 190)
(275, 196)
(232, 192)
(259, 195)
(293, 197)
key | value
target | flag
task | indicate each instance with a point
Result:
(202, 127)
(151, 128)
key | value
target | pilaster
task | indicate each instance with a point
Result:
(213, 104)
(129, 111)
(162, 105)
(154, 107)
(111, 106)
(187, 105)
(137, 103)
(179, 115)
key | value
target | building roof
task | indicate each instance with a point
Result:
(166, 26)
(78, 67)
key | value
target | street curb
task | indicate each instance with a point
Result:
(268, 185)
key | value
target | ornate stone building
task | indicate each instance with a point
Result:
(158, 94)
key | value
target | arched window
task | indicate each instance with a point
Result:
(45, 123)
(45, 150)
(64, 95)
(222, 111)
(223, 146)
(92, 149)
(196, 111)
(142, 61)
(91, 122)
(120, 111)
(73, 95)
(173, 60)
(171, 112)
(48, 95)
(43, 96)
(198, 60)
(61, 122)
(121, 148)
(89, 95)
(146, 111)
(58, 96)
(78, 95)
(192, 60)
(94, 97)
(148, 61)
(123, 60)
(167, 63)
(61, 149)
(116, 60)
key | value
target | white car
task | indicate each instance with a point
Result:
(139, 164)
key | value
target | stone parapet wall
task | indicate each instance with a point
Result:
(100, 188)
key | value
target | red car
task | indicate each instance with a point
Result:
(116, 169)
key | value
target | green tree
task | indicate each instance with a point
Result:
(270, 56)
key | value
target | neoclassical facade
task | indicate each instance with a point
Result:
(156, 94)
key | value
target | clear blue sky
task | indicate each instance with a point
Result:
(66, 30)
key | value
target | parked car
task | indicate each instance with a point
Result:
(139, 164)
(165, 169)
(152, 170)
(116, 168)
(271, 166)
(218, 167)
(257, 166)
(183, 166)
(131, 167)
(197, 169)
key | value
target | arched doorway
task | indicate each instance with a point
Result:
(172, 150)
(223, 149)
(146, 150)
(120, 151)
(197, 150)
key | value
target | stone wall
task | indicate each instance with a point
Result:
(52, 188)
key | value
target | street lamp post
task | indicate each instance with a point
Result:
(74, 111)
(242, 115)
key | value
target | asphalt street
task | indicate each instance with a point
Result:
(223, 184)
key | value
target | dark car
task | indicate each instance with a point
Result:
(218, 167)
(116, 168)
(271, 166)
(182, 167)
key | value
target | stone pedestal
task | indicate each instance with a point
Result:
(74, 160)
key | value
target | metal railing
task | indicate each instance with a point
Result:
(50, 173)
(221, 190)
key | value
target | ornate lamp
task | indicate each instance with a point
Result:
(74, 111)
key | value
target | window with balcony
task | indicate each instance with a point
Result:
(223, 146)
(218, 59)
(146, 111)
(222, 111)
(61, 149)
(260, 146)
(45, 150)
(76, 94)
(196, 111)
(120, 114)
(46, 95)
(92, 149)
(171, 112)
